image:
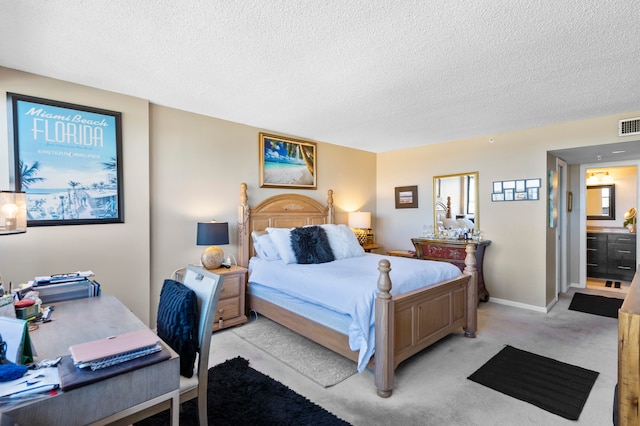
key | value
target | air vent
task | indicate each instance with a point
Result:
(630, 126)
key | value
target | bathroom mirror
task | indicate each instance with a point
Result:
(601, 202)
(456, 197)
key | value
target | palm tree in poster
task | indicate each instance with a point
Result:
(304, 152)
(28, 174)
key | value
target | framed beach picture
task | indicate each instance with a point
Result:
(287, 163)
(67, 158)
(407, 197)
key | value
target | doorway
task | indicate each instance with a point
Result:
(571, 256)
(611, 194)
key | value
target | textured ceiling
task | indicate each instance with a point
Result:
(373, 75)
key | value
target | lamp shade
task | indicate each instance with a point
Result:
(359, 220)
(13, 212)
(212, 233)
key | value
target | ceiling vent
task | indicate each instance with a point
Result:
(630, 126)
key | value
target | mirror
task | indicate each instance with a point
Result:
(455, 200)
(601, 202)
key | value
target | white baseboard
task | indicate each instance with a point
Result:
(522, 305)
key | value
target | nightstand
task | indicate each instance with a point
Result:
(230, 310)
(370, 246)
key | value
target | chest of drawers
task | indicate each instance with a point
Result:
(454, 251)
(611, 255)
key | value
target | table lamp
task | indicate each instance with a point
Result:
(13, 212)
(210, 234)
(360, 223)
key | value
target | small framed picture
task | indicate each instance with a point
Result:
(407, 197)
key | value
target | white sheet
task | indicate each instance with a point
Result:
(349, 286)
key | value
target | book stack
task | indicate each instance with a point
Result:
(97, 360)
(66, 287)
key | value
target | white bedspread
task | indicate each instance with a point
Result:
(349, 286)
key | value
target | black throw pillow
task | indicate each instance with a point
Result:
(310, 244)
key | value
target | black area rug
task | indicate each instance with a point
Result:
(597, 305)
(240, 395)
(552, 385)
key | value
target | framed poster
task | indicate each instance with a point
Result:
(67, 158)
(287, 163)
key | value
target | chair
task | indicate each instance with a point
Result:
(207, 287)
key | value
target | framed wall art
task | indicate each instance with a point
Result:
(407, 197)
(67, 158)
(287, 162)
(516, 190)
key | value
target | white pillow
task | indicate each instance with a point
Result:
(281, 238)
(343, 241)
(263, 245)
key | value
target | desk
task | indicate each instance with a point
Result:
(82, 320)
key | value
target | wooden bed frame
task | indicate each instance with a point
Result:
(404, 324)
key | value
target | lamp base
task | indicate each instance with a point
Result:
(361, 234)
(212, 257)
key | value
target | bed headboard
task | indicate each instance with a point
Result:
(279, 211)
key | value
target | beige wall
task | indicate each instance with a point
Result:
(520, 263)
(118, 254)
(197, 165)
(179, 168)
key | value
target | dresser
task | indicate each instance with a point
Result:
(453, 251)
(231, 305)
(611, 255)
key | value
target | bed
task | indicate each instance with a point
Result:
(402, 323)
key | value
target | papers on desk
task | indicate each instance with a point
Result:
(114, 350)
(33, 381)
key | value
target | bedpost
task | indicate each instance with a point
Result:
(384, 329)
(243, 227)
(330, 213)
(472, 291)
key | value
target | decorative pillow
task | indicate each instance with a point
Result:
(281, 238)
(311, 245)
(263, 245)
(343, 241)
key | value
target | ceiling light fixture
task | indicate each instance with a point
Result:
(599, 178)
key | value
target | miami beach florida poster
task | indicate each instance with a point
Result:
(286, 162)
(67, 161)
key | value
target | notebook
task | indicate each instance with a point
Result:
(114, 349)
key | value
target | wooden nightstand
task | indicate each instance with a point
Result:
(230, 310)
(370, 246)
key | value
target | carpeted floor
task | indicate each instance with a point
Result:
(555, 386)
(240, 395)
(596, 305)
(318, 363)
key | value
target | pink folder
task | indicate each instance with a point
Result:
(114, 345)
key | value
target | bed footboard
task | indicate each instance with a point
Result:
(408, 323)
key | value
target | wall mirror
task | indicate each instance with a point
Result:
(601, 202)
(455, 201)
